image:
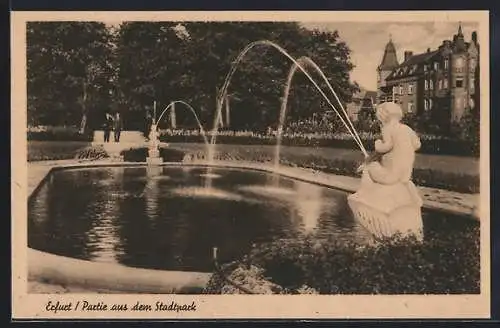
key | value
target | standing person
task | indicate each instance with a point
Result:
(118, 126)
(108, 126)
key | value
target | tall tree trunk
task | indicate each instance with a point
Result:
(83, 122)
(173, 120)
(227, 112)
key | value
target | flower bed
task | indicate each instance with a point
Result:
(57, 133)
(92, 153)
(430, 144)
(447, 263)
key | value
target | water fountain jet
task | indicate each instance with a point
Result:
(154, 157)
(346, 121)
(223, 90)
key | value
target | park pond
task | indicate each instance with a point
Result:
(167, 218)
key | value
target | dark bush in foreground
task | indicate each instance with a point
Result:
(443, 264)
(140, 154)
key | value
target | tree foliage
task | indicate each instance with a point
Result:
(68, 71)
(142, 62)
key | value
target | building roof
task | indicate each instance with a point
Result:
(411, 65)
(390, 58)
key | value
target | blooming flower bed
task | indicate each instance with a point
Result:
(431, 144)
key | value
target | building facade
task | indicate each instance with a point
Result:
(441, 82)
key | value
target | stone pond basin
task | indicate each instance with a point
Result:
(48, 273)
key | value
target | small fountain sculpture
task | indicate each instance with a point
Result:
(154, 157)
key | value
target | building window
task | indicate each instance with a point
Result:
(472, 65)
(459, 83)
(459, 65)
(446, 63)
(410, 89)
(440, 84)
(445, 84)
(430, 103)
(471, 84)
(426, 104)
(436, 66)
(426, 87)
(401, 90)
(425, 68)
(410, 107)
(431, 84)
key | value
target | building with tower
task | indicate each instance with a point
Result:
(442, 82)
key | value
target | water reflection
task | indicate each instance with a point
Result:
(152, 191)
(308, 204)
(103, 240)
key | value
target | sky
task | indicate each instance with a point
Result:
(367, 41)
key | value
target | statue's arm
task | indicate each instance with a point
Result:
(386, 144)
(416, 141)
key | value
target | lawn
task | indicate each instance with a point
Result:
(53, 150)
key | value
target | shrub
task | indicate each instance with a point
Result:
(92, 153)
(250, 279)
(444, 264)
(58, 133)
(140, 154)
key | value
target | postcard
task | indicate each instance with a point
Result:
(244, 165)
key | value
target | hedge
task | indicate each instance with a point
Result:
(140, 154)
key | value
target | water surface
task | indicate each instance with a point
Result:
(164, 218)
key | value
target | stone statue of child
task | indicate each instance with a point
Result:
(396, 150)
(386, 190)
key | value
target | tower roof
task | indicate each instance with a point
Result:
(390, 58)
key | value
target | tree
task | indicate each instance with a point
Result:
(68, 71)
(149, 59)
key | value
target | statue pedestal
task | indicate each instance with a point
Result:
(154, 160)
(153, 151)
(386, 210)
(154, 155)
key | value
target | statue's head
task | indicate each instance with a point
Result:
(389, 111)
